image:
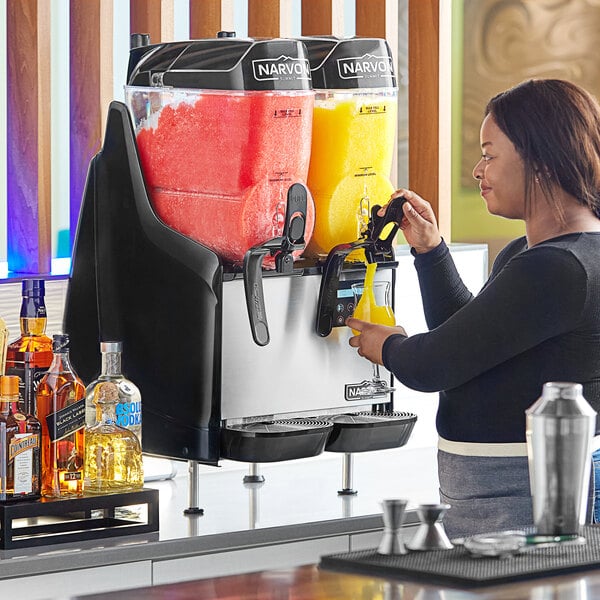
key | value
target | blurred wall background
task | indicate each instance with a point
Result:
(497, 44)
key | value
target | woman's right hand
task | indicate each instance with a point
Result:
(419, 224)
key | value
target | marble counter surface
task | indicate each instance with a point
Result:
(297, 501)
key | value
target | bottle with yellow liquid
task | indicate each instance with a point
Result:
(354, 126)
(113, 455)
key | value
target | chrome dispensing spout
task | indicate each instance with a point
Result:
(377, 250)
(281, 248)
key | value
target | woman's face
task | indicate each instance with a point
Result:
(500, 173)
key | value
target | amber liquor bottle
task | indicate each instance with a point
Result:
(61, 411)
(30, 356)
(20, 445)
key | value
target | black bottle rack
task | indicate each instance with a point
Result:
(53, 521)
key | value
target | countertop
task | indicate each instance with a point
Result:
(297, 501)
(311, 582)
(558, 573)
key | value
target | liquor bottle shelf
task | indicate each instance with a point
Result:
(54, 521)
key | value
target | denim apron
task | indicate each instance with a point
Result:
(492, 493)
(485, 493)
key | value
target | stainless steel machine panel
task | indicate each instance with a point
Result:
(298, 371)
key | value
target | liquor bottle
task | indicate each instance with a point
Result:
(61, 411)
(30, 356)
(129, 409)
(113, 455)
(20, 445)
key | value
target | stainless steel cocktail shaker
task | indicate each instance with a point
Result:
(560, 429)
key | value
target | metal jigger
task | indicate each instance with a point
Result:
(393, 518)
(431, 534)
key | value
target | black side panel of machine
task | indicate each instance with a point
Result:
(136, 280)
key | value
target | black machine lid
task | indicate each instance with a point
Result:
(222, 63)
(349, 63)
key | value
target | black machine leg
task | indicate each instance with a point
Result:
(194, 483)
(253, 475)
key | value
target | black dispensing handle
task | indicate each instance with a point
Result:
(255, 299)
(380, 249)
(281, 248)
(376, 250)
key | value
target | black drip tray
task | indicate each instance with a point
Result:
(272, 441)
(367, 431)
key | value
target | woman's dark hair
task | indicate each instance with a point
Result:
(555, 127)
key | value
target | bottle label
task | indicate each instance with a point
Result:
(129, 414)
(66, 421)
(21, 450)
(22, 442)
(29, 379)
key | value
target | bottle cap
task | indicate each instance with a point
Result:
(33, 287)
(9, 385)
(562, 389)
(111, 347)
(60, 342)
(138, 39)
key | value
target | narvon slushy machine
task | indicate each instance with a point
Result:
(194, 218)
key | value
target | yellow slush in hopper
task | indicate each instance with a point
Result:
(354, 126)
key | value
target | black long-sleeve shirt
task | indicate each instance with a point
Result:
(537, 319)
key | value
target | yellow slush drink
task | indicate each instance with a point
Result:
(367, 308)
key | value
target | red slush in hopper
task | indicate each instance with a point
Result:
(223, 130)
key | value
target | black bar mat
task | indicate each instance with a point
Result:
(458, 566)
(52, 521)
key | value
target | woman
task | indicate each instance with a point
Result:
(537, 319)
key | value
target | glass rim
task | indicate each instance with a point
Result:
(361, 286)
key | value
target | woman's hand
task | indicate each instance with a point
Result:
(419, 224)
(371, 338)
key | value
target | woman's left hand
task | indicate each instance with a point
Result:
(371, 338)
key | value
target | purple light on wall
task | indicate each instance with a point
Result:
(21, 219)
